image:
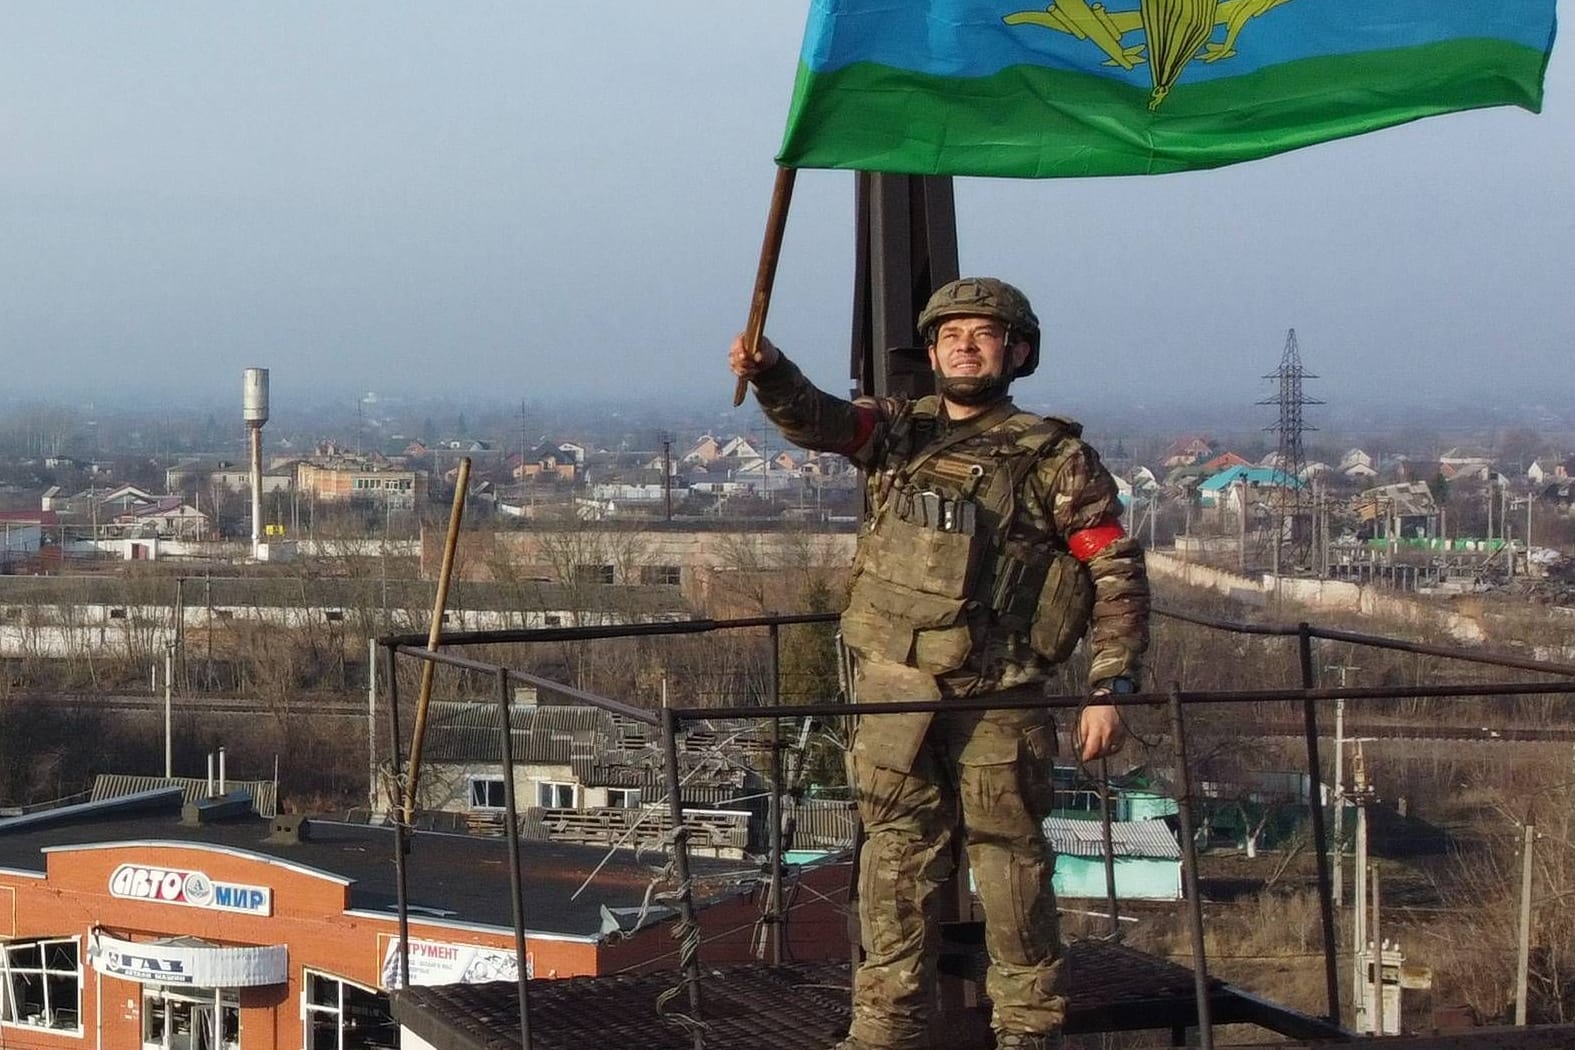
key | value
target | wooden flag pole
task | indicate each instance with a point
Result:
(766, 274)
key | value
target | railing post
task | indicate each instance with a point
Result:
(1319, 832)
(1110, 849)
(774, 905)
(688, 929)
(1189, 872)
(397, 812)
(511, 833)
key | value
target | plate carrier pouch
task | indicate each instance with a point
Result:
(944, 562)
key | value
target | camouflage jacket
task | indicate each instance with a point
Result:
(1069, 498)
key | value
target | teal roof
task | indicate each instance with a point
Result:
(1255, 476)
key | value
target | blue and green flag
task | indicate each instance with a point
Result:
(1126, 87)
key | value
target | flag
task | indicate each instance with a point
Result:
(1128, 87)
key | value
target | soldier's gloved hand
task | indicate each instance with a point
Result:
(746, 367)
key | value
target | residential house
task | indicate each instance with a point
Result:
(1145, 857)
(706, 450)
(1356, 465)
(582, 775)
(1213, 492)
(168, 517)
(346, 480)
(1185, 451)
(27, 541)
(544, 463)
(1223, 461)
(739, 448)
(1403, 510)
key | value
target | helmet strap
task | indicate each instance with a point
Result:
(972, 390)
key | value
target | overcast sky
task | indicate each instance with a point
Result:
(566, 201)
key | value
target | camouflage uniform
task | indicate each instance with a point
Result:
(918, 775)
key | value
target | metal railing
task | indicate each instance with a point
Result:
(670, 720)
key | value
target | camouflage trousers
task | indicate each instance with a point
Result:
(989, 775)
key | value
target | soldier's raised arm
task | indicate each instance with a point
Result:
(808, 416)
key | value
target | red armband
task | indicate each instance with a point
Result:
(1085, 543)
(868, 416)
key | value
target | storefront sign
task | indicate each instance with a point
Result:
(439, 962)
(191, 964)
(139, 882)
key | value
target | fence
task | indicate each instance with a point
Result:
(1175, 701)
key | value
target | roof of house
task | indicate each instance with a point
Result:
(1406, 498)
(264, 793)
(1151, 839)
(1248, 475)
(30, 517)
(466, 732)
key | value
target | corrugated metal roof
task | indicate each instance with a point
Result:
(265, 799)
(1151, 839)
(467, 732)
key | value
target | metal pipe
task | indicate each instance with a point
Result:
(1110, 849)
(511, 832)
(224, 780)
(774, 903)
(1377, 642)
(169, 710)
(591, 633)
(615, 706)
(401, 839)
(1023, 698)
(371, 724)
(254, 440)
(1189, 872)
(1019, 698)
(1377, 1012)
(689, 955)
(435, 632)
(1319, 832)
(566, 634)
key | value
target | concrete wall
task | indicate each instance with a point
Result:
(1326, 595)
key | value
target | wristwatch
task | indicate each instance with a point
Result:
(1121, 685)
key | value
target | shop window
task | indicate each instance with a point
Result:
(345, 1016)
(486, 793)
(552, 794)
(190, 1017)
(41, 985)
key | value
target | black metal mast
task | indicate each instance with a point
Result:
(1291, 538)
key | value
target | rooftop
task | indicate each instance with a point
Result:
(462, 878)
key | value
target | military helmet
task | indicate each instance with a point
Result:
(985, 297)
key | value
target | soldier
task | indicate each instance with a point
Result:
(992, 547)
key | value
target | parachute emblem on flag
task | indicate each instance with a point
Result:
(1174, 31)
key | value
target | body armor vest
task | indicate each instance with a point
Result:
(946, 560)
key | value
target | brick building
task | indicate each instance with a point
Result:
(142, 923)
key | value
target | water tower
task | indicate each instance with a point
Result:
(254, 409)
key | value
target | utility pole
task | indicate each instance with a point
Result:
(1339, 798)
(169, 721)
(1361, 796)
(1241, 528)
(1523, 955)
(1377, 955)
(667, 476)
